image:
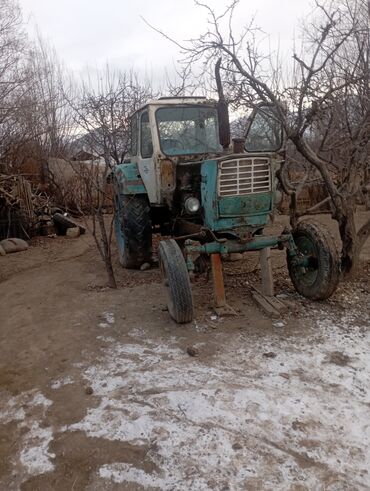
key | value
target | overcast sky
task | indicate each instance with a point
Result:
(90, 33)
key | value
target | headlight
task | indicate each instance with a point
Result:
(192, 205)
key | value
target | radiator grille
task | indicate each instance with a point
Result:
(244, 176)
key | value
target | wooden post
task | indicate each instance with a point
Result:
(218, 281)
(266, 272)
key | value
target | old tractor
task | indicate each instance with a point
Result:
(179, 182)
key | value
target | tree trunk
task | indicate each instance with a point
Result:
(362, 236)
(344, 202)
(350, 252)
(109, 268)
(352, 240)
(106, 250)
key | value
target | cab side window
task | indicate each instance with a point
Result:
(146, 144)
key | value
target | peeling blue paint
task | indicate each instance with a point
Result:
(128, 179)
(231, 212)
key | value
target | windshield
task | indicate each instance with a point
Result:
(188, 130)
(265, 132)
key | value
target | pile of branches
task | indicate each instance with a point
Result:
(20, 204)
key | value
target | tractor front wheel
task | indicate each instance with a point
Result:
(319, 277)
(176, 279)
(133, 230)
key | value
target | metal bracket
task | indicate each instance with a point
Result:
(266, 272)
(221, 307)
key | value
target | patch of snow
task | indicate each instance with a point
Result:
(15, 408)
(35, 455)
(108, 320)
(106, 339)
(200, 327)
(123, 473)
(239, 420)
(57, 384)
(40, 400)
(109, 317)
(28, 410)
(137, 333)
(11, 412)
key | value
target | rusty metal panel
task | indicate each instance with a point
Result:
(252, 204)
(168, 175)
(229, 213)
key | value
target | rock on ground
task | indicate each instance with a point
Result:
(13, 245)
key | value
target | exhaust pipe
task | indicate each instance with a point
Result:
(222, 110)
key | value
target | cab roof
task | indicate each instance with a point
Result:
(175, 101)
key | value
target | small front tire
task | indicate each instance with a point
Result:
(319, 279)
(177, 282)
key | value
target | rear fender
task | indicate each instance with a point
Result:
(127, 179)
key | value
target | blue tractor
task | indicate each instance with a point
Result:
(207, 202)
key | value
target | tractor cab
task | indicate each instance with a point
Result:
(185, 171)
(170, 132)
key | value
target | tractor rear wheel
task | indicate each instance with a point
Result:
(320, 277)
(176, 279)
(133, 230)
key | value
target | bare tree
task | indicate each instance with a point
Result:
(327, 95)
(35, 119)
(53, 123)
(181, 82)
(13, 73)
(102, 111)
(44, 116)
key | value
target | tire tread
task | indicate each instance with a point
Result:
(136, 229)
(178, 281)
(328, 261)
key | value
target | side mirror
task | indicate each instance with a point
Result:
(265, 131)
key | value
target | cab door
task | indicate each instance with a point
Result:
(145, 157)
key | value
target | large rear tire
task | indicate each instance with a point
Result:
(133, 230)
(177, 282)
(319, 279)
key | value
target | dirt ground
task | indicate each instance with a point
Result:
(98, 391)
